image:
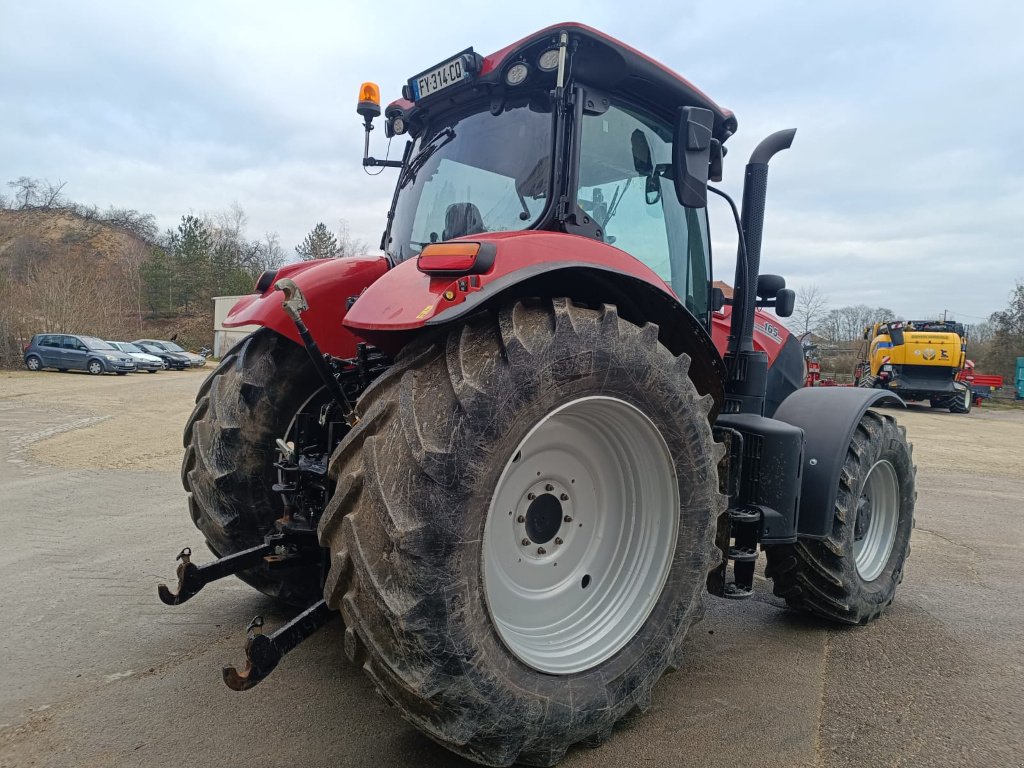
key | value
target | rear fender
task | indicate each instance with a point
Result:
(327, 285)
(406, 302)
(828, 417)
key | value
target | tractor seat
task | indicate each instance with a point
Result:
(461, 219)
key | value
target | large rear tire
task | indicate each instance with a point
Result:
(243, 406)
(851, 576)
(522, 528)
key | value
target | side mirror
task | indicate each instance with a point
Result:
(785, 301)
(768, 286)
(691, 155)
(717, 299)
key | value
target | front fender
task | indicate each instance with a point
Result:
(828, 417)
(327, 284)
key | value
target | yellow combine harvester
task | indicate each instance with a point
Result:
(918, 359)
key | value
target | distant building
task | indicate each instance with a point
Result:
(225, 338)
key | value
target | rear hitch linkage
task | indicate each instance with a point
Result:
(192, 577)
(264, 652)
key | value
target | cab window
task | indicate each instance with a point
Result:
(625, 186)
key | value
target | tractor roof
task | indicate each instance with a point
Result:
(603, 62)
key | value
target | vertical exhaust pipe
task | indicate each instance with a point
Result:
(748, 370)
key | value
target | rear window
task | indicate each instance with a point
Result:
(49, 341)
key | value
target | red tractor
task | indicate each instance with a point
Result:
(509, 450)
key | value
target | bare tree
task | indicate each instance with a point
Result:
(348, 245)
(811, 308)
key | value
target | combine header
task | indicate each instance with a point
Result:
(513, 451)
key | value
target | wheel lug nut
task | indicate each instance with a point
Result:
(557, 540)
(549, 487)
(567, 519)
(526, 542)
(541, 551)
(564, 497)
(521, 519)
(531, 496)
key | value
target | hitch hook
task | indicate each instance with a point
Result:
(264, 652)
(192, 577)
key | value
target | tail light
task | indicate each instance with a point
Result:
(458, 258)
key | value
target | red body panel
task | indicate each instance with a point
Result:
(769, 333)
(407, 299)
(326, 283)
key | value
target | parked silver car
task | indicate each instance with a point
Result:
(143, 360)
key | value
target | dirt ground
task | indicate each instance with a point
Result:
(152, 409)
(96, 672)
(138, 419)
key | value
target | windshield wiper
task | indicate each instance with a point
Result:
(426, 153)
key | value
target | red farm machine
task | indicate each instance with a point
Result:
(515, 450)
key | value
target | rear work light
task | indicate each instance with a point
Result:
(450, 259)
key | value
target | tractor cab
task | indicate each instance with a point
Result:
(567, 131)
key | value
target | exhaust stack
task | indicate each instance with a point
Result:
(748, 369)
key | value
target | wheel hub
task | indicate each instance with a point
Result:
(863, 518)
(543, 518)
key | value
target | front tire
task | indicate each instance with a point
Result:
(467, 448)
(851, 576)
(95, 367)
(243, 406)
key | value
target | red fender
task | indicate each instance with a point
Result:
(406, 299)
(769, 334)
(327, 284)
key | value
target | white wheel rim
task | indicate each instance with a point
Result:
(580, 534)
(878, 512)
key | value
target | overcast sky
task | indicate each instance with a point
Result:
(903, 188)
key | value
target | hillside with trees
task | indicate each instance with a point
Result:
(70, 267)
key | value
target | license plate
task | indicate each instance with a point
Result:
(442, 76)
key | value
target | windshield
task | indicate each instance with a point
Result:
(98, 344)
(170, 346)
(471, 174)
(124, 346)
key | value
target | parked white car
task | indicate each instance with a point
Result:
(143, 360)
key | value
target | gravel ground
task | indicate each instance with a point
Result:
(96, 672)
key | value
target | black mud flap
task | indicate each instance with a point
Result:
(828, 416)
